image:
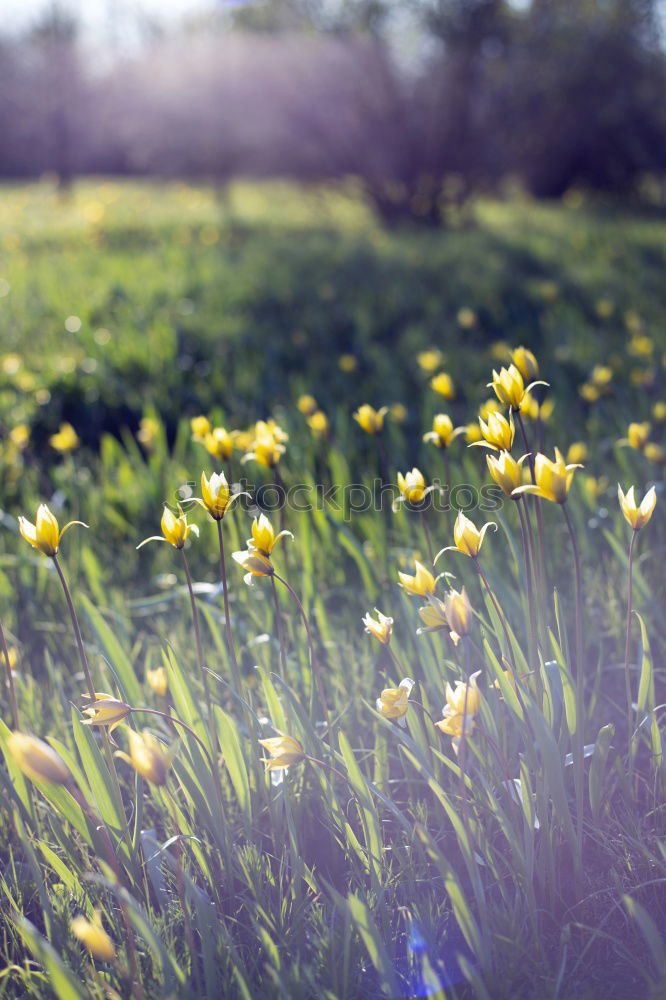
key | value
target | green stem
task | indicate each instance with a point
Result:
(579, 743)
(534, 622)
(178, 722)
(227, 614)
(197, 633)
(499, 613)
(426, 532)
(540, 565)
(280, 631)
(10, 679)
(314, 664)
(627, 645)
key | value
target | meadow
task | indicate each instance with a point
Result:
(462, 785)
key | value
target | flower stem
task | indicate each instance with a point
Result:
(278, 626)
(627, 645)
(540, 565)
(197, 633)
(529, 583)
(579, 743)
(314, 664)
(426, 532)
(227, 615)
(10, 679)
(178, 722)
(498, 611)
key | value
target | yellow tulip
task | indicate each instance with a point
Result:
(264, 538)
(462, 705)
(393, 702)
(148, 756)
(659, 411)
(421, 584)
(175, 530)
(498, 432)
(433, 616)
(219, 443)
(637, 515)
(472, 433)
(347, 363)
(590, 393)
(398, 412)
(371, 420)
(283, 752)
(577, 452)
(553, 478)
(654, 453)
(44, 534)
(443, 432)
(467, 537)
(307, 405)
(37, 760)
(92, 936)
(318, 424)
(637, 435)
(254, 563)
(106, 711)
(412, 487)
(157, 681)
(380, 629)
(200, 426)
(430, 360)
(266, 448)
(510, 387)
(491, 405)
(601, 376)
(525, 362)
(458, 612)
(147, 434)
(65, 440)
(506, 472)
(20, 436)
(466, 318)
(216, 495)
(443, 384)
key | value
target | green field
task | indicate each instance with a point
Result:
(389, 861)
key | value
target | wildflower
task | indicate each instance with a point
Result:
(219, 443)
(157, 681)
(577, 452)
(264, 538)
(254, 563)
(510, 387)
(472, 433)
(175, 530)
(393, 702)
(637, 435)
(148, 756)
(506, 472)
(242, 440)
(398, 412)
(371, 420)
(641, 346)
(148, 431)
(412, 487)
(467, 537)
(601, 376)
(654, 453)
(659, 411)
(216, 495)
(318, 424)
(500, 350)
(20, 436)
(37, 760)
(44, 534)
(489, 406)
(458, 612)
(525, 362)
(421, 584)
(553, 479)
(283, 752)
(65, 440)
(266, 449)
(106, 711)
(430, 360)
(443, 432)
(590, 393)
(347, 363)
(637, 515)
(498, 432)
(272, 428)
(307, 405)
(532, 409)
(92, 936)
(443, 384)
(595, 487)
(462, 705)
(380, 629)
(200, 426)
(604, 308)
(466, 318)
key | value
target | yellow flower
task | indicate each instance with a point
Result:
(510, 387)
(148, 756)
(318, 424)
(65, 440)
(20, 436)
(149, 429)
(266, 448)
(577, 452)
(106, 711)
(443, 384)
(254, 563)
(462, 705)
(654, 453)
(492, 405)
(393, 702)
(216, 495)
(412, 487)
(429, 361)
(637, 435)
(371, 420)
(433, 616)
(307, 405)
(398, 412)
(242, 440)
(637, 515)
(175, 530)
(525, 362)
(264, 538)
(458, 612)
(380, 629)
(37, 760)
(44, 534)
(500, 350)
(589, 392)
(92, 936)
(200, 426)
(271, 427)
(347, 363)
(467, 537)
(283, 752)
(604, 308)
(472, 433)
(157, 681)
(506, 472)
(443, 432)
(466, 317)
(498, 433)
(421, 584)
(641, 346)
(659, 411)
(219, 443)
(601, 376)
(553, 478)
(595, 487)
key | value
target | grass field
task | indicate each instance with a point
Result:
(514, 850)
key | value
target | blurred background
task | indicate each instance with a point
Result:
(421, 102)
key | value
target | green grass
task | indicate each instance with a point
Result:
(397, 868)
